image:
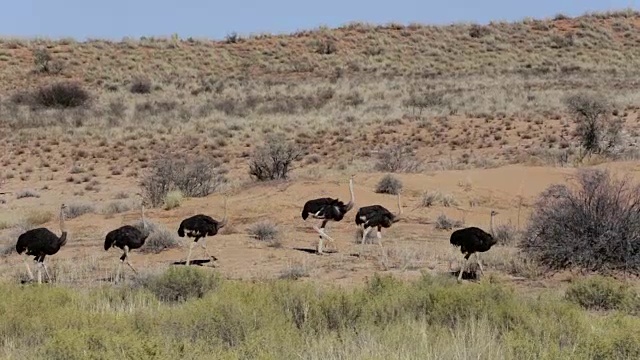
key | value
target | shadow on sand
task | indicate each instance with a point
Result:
(198, 262)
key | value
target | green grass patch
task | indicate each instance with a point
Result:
(191, 313)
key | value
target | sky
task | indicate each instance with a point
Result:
(115, 19)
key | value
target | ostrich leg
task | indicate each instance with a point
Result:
(204, 247)
(365, 232)
(191, 249)
(39, 272)
(379, 235)
(464, 265)
(46, 271)
(126, 259)
(322, 235)
(479, 264)
(117, 278)
(28, 269)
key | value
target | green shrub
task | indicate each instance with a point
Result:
(172, 200)
(180, 284)
(600, 293)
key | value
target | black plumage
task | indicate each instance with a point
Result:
(126, 238)
(327, 209)
(127, 235)
(199, 227)
(376, 216)
(41, 242)
(473, 240)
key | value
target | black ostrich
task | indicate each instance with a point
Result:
(199, 227)
(127, 238)
(377, 216)
(41, 242)
(327, 209)
(473, 240)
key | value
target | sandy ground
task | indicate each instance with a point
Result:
(409, 247)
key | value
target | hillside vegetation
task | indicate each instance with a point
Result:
(463, 95)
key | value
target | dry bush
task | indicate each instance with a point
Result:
(27, 193)
(594, 226)
(398, 158)
(443, 222)
(430, 198)
(179, 284)
(57, 95)
(389, 184)
(197, 177)
(506, 234)
(294, 272)
(172, 200)
(265, 231)
(116, 207)
(37, 217)
(274, 160)
(160, 238)
(424, 101)
(140, 85)
(44, 63)
(596, 131)
(75, 210)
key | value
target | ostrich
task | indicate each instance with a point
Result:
(127, 238)
(327, 209)
(473, 240)
(200, 226)
(41, 242)
(378, 216)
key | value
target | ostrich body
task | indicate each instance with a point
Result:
(376, 216)
(327, 209)
(41, 242)
(199, 227)
(127, 238)
(473, 240)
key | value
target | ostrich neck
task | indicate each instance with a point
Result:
(223, 222)
(63, 228)
(353, 199)
(491, 226)
(144, 223)
(399, 207)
